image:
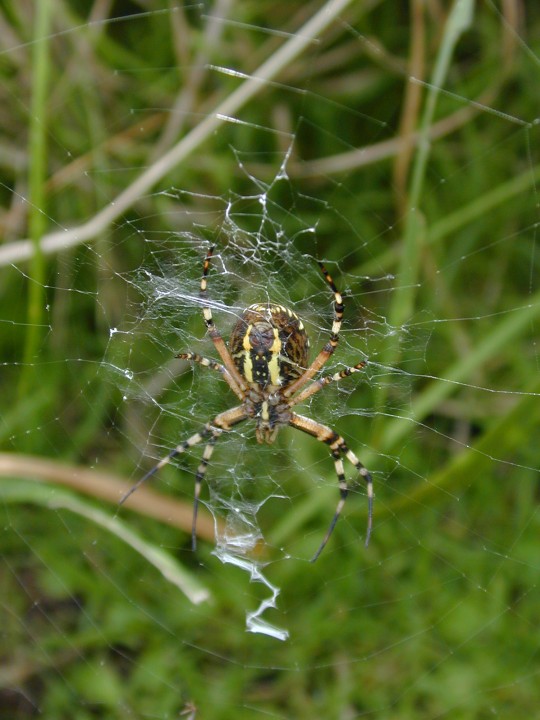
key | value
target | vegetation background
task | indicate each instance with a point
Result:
(433, 195)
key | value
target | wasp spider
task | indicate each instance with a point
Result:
(266, 366)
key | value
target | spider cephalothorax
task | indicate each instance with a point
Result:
(266, 366)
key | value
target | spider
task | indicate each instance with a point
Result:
(266, 366)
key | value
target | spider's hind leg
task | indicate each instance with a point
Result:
(213, 365)
(233, 377)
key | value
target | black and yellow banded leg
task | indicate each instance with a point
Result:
(366, 477)
(338, 308)
(213, 365)
(338, 449)
(330, 346)
(200, 360)
(322, 382)
(201, 472)
(206, 432)
(236, 381)
(209, 433)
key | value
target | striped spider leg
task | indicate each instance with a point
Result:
(210, 434)
(338, 449)
(336, 443)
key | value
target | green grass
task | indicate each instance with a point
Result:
(37, 150)
(434, 244)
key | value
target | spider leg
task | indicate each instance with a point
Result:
(338, 449)
(210, 432)
(322, 382)
(206, 362)
(213, 365)
(199, 477)
(236, 381)
(330, 346)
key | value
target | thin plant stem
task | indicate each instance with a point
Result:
(37, 175)
(414, 233)
(250, 88)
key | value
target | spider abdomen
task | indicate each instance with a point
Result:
(269, 345)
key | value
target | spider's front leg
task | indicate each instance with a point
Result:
(209, 433)
(338, 449)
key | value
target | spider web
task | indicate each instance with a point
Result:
(293, 148)
(250, 240)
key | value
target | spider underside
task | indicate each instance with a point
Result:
(266, 366)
